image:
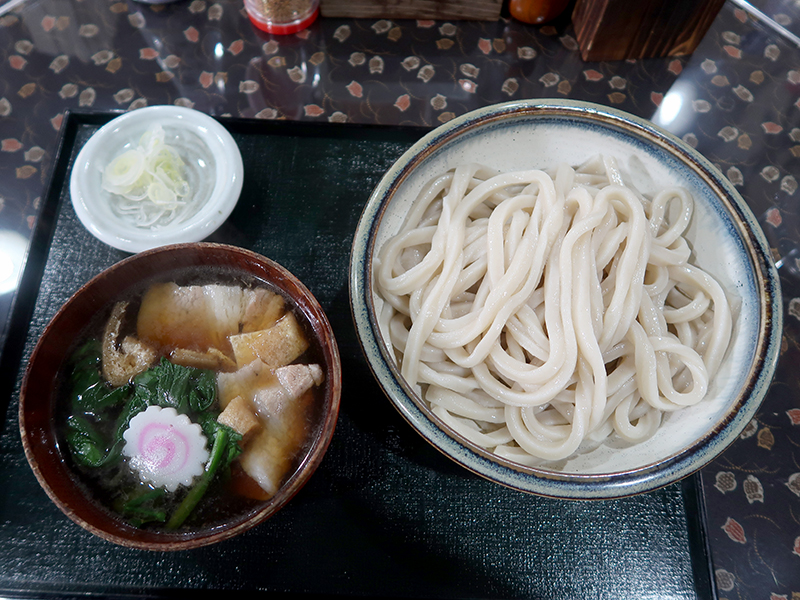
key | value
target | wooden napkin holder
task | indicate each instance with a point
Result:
(476, 10)
(623, 29)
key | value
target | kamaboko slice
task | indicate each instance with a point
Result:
(165, 448)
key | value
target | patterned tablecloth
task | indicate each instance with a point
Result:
(736, 99)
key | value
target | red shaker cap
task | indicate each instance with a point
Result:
(283, 29)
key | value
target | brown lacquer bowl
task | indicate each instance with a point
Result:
(42, 396)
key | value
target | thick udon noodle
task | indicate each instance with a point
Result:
(540, 315)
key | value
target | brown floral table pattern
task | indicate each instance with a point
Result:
(736, 99)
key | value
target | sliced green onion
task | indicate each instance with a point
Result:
(123, 172)
(160, 193)
(148, 182)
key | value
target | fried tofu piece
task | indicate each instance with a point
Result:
(120, 365)
(239, 416)
(212, 359)
(277, 346)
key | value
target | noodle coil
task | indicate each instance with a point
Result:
(539, 314)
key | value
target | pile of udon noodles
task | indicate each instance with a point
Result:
(541, 315)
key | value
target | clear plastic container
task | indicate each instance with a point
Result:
(282, 16)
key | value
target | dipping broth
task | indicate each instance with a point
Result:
(119, 455)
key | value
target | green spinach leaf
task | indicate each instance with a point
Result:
(89, 391)
(87, 446)
(204, 390)
(146, 505)
(186, 389)
(211, 427)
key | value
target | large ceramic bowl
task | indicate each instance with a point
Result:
(43, 397)
(723, 234)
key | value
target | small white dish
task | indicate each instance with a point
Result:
(213, 169)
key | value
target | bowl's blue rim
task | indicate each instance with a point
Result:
(541, 481)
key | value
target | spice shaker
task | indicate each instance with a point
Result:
(282, 17)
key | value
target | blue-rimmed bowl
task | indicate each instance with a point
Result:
(726, 240)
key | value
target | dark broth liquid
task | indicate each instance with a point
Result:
(109, 486)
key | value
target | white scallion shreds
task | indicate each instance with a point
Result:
(148, 183)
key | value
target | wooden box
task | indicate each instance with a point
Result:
(622, 29)
(477, 10)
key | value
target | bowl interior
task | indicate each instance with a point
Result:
(44, 446)
(212, 167)
(723, 237)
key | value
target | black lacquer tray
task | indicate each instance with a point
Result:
(385, 515)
